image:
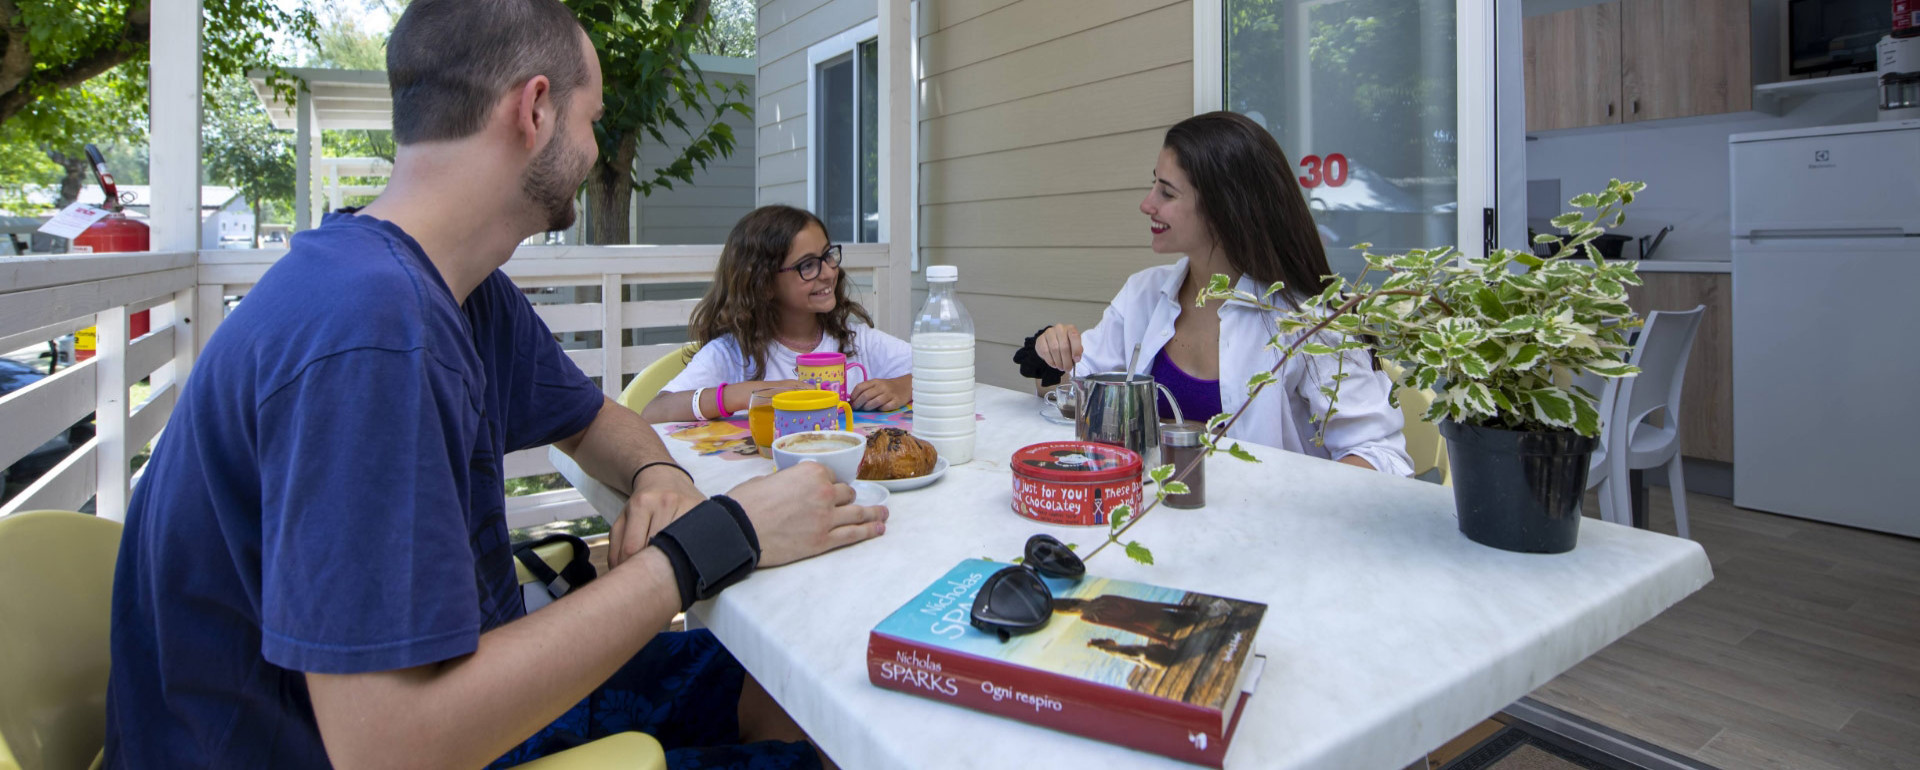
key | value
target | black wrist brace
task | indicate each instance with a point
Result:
(713, 546)
(1033, 367)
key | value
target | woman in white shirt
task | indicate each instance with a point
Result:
(1224, 195)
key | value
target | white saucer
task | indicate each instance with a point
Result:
(868, 493)
(916, 482)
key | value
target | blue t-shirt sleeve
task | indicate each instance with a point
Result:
(365, 559)
(552, 398)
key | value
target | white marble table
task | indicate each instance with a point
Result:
(1387, 631)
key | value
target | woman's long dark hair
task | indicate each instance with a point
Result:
(740, 300)
(1251, 201)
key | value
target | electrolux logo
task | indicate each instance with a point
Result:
(1822, 159)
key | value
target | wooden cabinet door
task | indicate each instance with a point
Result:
(1686, 57)
(1706, 398)
(1573, 67)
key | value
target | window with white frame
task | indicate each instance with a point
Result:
(843, 159)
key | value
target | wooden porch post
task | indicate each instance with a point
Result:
(174, 146)
(893, 285)
(175, 137)
(306, 143)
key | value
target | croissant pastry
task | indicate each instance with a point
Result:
(893, 453)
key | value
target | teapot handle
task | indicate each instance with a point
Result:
(1171, 401)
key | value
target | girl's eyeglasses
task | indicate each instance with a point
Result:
(809, 268)
(1015, 600)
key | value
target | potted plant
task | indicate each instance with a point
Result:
(1498, 339)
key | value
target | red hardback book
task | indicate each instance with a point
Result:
(1151, 668)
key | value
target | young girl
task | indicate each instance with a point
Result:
(776, 295)
(1224, 196)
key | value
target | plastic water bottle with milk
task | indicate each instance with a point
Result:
(943, 369)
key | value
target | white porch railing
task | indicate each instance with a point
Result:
(45, 297)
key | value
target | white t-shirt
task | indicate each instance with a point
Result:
(884, 355)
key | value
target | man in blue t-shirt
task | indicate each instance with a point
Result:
(315, 568)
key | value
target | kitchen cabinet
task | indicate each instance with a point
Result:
(1632, 60)
(1573, 67)
(1685, 57)
(1706, 398)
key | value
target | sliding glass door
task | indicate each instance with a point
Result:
(1366, 98)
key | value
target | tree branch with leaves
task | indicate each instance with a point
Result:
(652, 84)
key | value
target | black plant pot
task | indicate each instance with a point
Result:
(1518, 490)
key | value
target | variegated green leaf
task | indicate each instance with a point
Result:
(1586, 419)
(1471, 364)
(1241, 454)
(1520, 324)
(1552, 406)
(1139, 553)
(1523, 356)
(1609, 367)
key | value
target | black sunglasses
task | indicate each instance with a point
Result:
(810, 267)
(1015, 600)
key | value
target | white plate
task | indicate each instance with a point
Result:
(868, 493)
(916, 482)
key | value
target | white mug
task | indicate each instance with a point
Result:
(844, 462)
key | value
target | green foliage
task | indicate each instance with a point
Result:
(47, 132)
(1139, 553)
(734, 32)
(653, 84)
(75, 71)
(240, 147)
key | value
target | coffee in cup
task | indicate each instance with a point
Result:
(839, 450)
(816, 443)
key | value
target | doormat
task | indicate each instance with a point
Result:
(1516, 748)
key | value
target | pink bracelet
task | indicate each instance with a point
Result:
(720, 400)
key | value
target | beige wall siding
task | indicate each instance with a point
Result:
(701, 212)
(1040, 124)
(787, 28)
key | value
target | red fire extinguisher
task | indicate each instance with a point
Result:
(116, 232)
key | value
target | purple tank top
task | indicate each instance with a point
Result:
(1199, 399)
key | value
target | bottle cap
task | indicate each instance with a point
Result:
(942, 273)
(1181, 434)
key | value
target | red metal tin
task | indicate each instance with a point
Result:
(1074, 482)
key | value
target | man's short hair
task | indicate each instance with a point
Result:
(449, 61)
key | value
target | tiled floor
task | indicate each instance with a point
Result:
(1804, 651)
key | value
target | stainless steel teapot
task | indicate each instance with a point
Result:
(1117, 408)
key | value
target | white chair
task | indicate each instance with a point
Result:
(1604, 390)
(1628, 442)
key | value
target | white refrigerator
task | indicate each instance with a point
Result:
(1826, 324)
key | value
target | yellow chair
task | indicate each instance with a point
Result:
(650, 380)
(56, 593)
(56, 589)
(1424, 443)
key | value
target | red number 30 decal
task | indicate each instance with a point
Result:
(1330, 171)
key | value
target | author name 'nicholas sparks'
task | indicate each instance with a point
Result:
(951, 605)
